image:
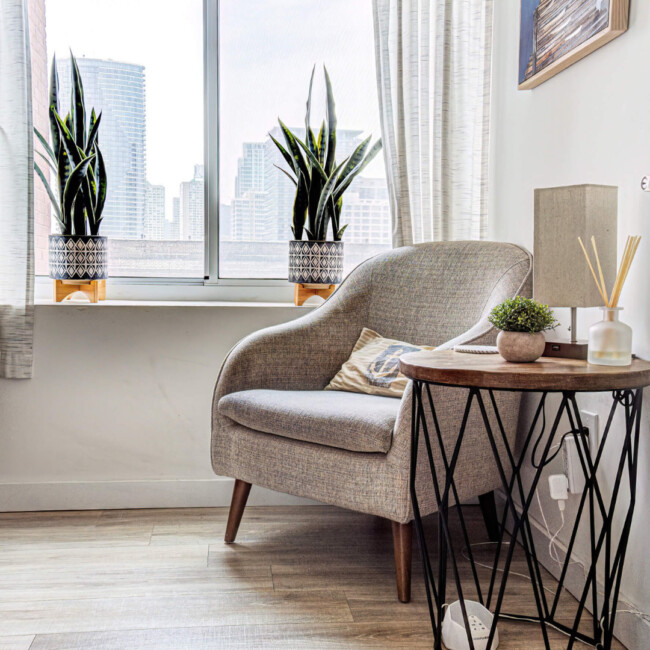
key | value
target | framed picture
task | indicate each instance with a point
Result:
(554, 34)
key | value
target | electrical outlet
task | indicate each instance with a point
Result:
(590, 420)
(645, 183)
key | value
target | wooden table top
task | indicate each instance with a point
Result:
(547, 373)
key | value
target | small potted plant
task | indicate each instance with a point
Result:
(74, 158)
(320, 183)
(522, 322)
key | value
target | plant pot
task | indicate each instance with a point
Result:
(315, 262)
(78, 257)
(521, 347)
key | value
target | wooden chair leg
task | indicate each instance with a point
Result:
(402, 542)
(239, 497)
(489, 510)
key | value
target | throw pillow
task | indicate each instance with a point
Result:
(373, 366)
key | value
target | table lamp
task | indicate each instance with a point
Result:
(561, 278)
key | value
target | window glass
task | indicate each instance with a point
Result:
(142, 66)
(267, 50)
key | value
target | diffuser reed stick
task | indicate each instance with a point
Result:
(631, 246)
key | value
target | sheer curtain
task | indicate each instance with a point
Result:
(433, 60)
(16, 193)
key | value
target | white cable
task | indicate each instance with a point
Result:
(552, 547)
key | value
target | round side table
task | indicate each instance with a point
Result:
(482, 376)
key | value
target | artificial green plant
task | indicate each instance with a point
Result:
(75, 159)
(320, 181)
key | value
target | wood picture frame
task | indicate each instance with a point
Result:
(555, 34)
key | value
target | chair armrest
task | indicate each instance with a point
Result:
(303, 354)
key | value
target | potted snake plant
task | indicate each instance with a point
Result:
(78, 252)
(320, 184)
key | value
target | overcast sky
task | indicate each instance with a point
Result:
(267, 48)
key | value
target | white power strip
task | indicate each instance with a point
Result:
(572, 465)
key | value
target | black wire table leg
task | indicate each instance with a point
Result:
(606, 551)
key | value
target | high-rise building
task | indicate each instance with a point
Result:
(366, 213)
(192, 206)
(173, 226)
(250, 169)
(117, 90)
(250, 218)
(154, 212)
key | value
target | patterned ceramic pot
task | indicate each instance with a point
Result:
(521, 347)
(78, 257)
(315, 262)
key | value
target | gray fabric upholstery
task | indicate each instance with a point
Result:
(431, 294)
(339, 419)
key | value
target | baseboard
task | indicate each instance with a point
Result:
(110, 495)
(631, 630)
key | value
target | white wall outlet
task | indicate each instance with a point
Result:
(645, 183)
(590, 420)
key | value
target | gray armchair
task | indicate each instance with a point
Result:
(273, 425)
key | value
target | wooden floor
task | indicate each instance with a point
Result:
(299, 577)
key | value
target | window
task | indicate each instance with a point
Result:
(144, 69)
(142, 66)
(266, 53)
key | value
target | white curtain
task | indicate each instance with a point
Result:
(433, 60)
(16, 193)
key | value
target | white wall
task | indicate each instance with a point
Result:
(589, 124)
(118, 411)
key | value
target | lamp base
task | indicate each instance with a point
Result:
(566, 349)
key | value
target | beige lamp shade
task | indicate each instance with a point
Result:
(561, 277)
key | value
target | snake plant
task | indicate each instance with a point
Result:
(75, 159)
(320, 182)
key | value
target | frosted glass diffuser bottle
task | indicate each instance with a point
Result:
(610, 341)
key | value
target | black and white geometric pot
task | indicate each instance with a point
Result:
(315, 262)
(78, 257)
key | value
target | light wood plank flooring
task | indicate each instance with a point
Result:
(300, 577)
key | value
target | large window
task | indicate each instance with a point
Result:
(142, 63)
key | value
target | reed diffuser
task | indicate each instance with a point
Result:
(610, 341)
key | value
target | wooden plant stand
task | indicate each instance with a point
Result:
(94, 289)
(304, 291)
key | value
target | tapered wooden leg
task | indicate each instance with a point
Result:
(239, 497)
(402, 542)
(489, 510)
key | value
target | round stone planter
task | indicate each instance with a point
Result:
(78, 257)
(315, 262)
(521, 347)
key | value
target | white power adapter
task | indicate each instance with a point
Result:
(558, 486)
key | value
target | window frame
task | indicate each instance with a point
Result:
(210, 287)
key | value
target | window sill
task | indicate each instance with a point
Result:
(42, 302)
(132, 291)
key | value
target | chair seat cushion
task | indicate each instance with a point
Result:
(351, 421)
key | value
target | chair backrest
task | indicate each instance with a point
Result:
(429, 293)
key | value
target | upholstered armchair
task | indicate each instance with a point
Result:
(274, 426)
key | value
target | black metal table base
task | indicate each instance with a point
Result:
(603, 576)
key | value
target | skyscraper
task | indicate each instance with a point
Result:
(173, 226)
(154, 212)
(250, 169)
(366, 213)
(117, 90)
(192, 207)
(249, 207)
